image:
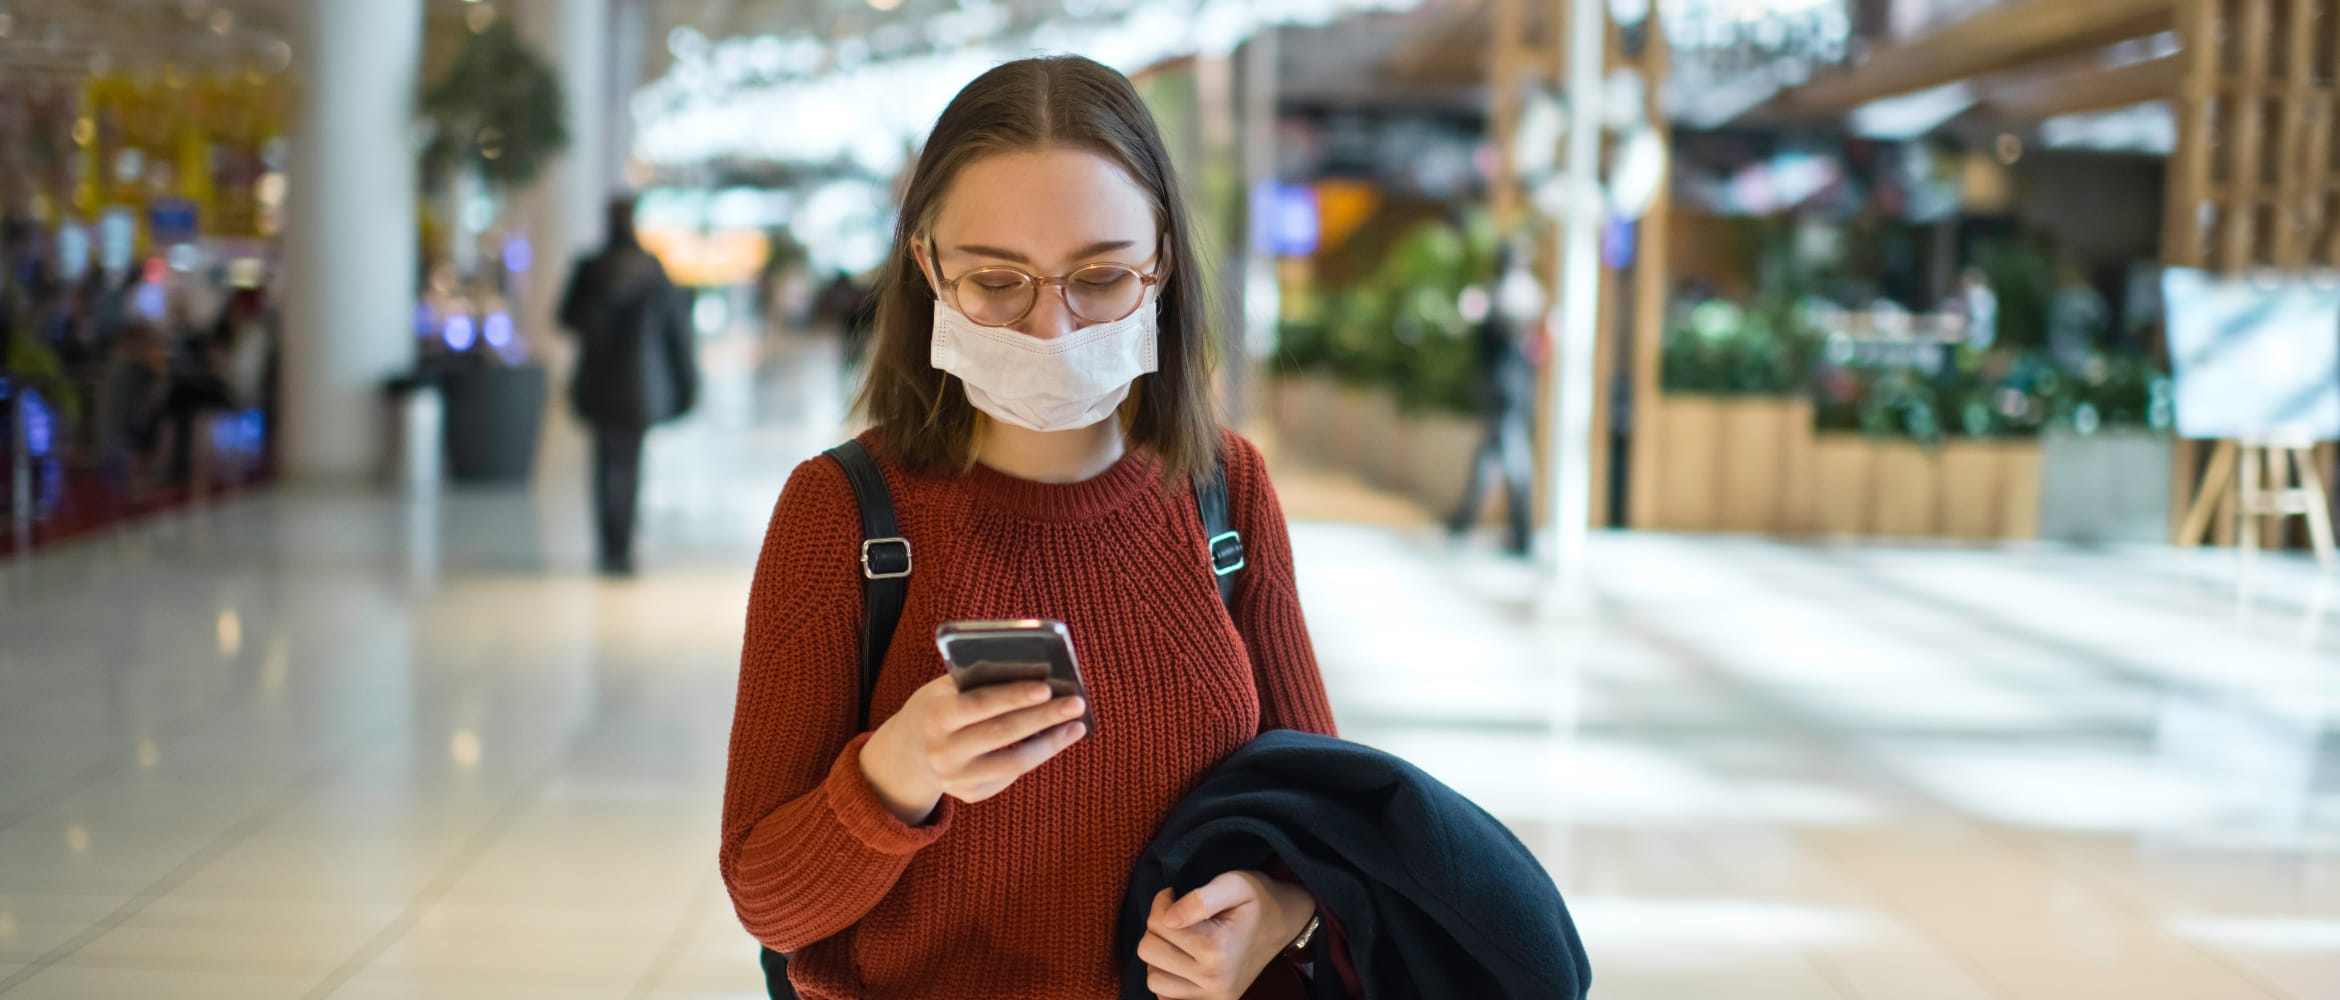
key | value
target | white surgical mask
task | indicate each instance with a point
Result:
(1060, 384)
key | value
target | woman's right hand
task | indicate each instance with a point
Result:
(967, 745)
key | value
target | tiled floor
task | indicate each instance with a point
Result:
(319, 745)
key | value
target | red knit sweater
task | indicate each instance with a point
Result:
(1016, 896)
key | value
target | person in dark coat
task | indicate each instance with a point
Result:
(1431, 896)
(1507, 397)
(636, 367)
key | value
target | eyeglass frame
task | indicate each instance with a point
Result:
(950, 287)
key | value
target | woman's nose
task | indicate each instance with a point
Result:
(1050, 318)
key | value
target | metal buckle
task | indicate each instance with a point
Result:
(870, 573)
(1235, 552)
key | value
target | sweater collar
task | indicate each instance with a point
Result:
(1093, 497)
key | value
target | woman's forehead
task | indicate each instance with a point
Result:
(1045, 205)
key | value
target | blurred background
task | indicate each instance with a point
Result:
(1847, 481)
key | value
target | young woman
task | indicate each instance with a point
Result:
(1040, 390)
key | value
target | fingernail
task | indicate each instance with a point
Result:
(1036, 693)
(1071, 708)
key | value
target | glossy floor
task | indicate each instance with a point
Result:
(315, 745)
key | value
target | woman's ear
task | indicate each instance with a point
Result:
(926, 267)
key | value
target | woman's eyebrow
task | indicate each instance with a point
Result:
(1092, 250)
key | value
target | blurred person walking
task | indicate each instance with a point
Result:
(636, 367)
(1507, 393)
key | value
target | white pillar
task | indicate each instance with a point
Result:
(1262, 290)
(1579, 309)
(564, 209)
(350, 239)
(629, 39)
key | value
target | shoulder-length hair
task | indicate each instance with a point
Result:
(922, 414)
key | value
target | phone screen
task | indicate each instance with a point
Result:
(982, 654)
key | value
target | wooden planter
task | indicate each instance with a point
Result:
(1303, 408)
(1844, 476)
(1423, 455)
(1965, 490)
(1733, 463)
(1442, 446)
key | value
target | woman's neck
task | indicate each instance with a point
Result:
(1049, 456)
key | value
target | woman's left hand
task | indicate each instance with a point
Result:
(1211, 944)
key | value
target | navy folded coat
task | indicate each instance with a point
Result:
(1435, 898)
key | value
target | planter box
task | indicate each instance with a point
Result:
(1967, 490)
(1425, 455)
(2109, 488)
(1442, 446)
(1844, 476)
(1303, 408)
(1346, 435)
(1907, 493)
(1379, 452)
(1734, 464)
(1689, 480)
(1767, 464)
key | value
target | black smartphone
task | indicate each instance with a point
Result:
(980, 654)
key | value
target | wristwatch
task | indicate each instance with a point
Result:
(1298, 949)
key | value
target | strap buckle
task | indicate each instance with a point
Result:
(1227, 553)
(885, 558)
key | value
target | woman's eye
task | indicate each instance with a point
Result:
(1102, 282)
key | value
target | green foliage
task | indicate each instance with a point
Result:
(499, 109)
(2022, 274)
(31, 363)
(1995, 394)
(1719, 348)
(1402, 326)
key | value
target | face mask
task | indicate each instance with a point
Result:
(1063, 384)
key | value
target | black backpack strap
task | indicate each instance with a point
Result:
(885, 563)
(1219, 534)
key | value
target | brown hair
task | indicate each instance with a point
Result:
(921, 413)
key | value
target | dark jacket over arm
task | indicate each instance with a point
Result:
(1434, 896)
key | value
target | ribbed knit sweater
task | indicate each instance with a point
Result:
(1016, 896)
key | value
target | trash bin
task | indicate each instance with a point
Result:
(417, 426)
(494, 415)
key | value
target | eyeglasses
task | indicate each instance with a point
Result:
(999, 295)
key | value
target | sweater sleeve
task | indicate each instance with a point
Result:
(1267, 601)
(808, 848)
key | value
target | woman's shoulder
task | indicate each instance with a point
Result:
(1245, 463)
(820, 491)
(815, 506)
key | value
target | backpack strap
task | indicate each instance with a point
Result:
(885, 563)
(1219, 534)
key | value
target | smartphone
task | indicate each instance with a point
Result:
(981, 654)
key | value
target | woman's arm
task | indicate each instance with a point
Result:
(1267, 603)
(808, 848)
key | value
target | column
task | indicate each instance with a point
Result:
(629, 39)
(1577, 315)
(350, 244)
(564, 209)
(1262, 287)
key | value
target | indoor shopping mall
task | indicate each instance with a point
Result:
(1642, 499)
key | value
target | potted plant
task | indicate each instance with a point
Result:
(1735, 419)
(496, 115)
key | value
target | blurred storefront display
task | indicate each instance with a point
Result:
(141, 210)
